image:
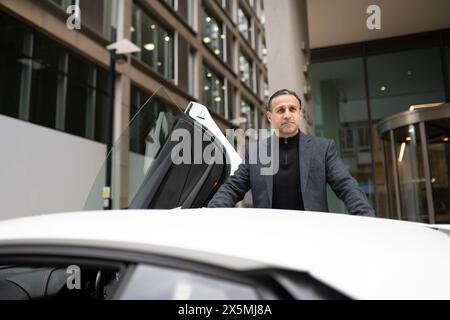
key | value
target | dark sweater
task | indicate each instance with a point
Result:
(287, 193)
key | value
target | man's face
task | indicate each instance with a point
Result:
(285, 115)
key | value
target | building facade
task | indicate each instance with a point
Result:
(54, 83)
(362, 77)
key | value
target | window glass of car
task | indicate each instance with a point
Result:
(150, 282)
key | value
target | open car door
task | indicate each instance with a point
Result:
(165, 159)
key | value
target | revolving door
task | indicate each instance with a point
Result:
(416, 151)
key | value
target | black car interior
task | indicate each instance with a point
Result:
(39, 281)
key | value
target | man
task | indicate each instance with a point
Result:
(306, 165)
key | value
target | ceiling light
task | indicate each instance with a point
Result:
(383, 88)
(152, 27)
(149, 46)
(206, 39)
(208, 19)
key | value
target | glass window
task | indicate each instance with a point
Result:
(48, 62)
(340, 112)
(246, 71)
(248, 112)
(156, 42)
(264, 51)
(151, 122)
(173, 284)
(447, 57)
(245, 25)
(99, 15)
(213, 35)
(231, 101)
(101, 108)
(80, 103)
(186, 9)
(214, 91)
(401, 79)
(391, 211)
(262, 120)
(396, 81)
(231, 50)
(52, 86)
(15, 65)
(410, 166)
(438, 138)
(266, 92)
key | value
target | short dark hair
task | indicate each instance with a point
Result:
(280, 93)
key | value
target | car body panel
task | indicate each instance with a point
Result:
(364, 258)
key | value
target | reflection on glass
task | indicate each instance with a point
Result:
(401, 79)
(447, 58)
(390, 176)
(156, 42)
(245, 24)
(340, 113)
(135, 152)
(410, 166)
(177, 284)
(16, 47)
(44, 83)
(438, 136)
(248, 112)
(214, 91)
(246, 71)
(213, 35)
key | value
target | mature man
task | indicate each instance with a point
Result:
(306, 165)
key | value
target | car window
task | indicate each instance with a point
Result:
(159, 283)
(142, 167)
(64, 279)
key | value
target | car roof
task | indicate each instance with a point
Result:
(368, 258)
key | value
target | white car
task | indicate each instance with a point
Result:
(221, 254)
(191, 252)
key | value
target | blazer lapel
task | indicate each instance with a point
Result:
(304, 159)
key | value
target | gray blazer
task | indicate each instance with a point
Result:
(319, 165)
